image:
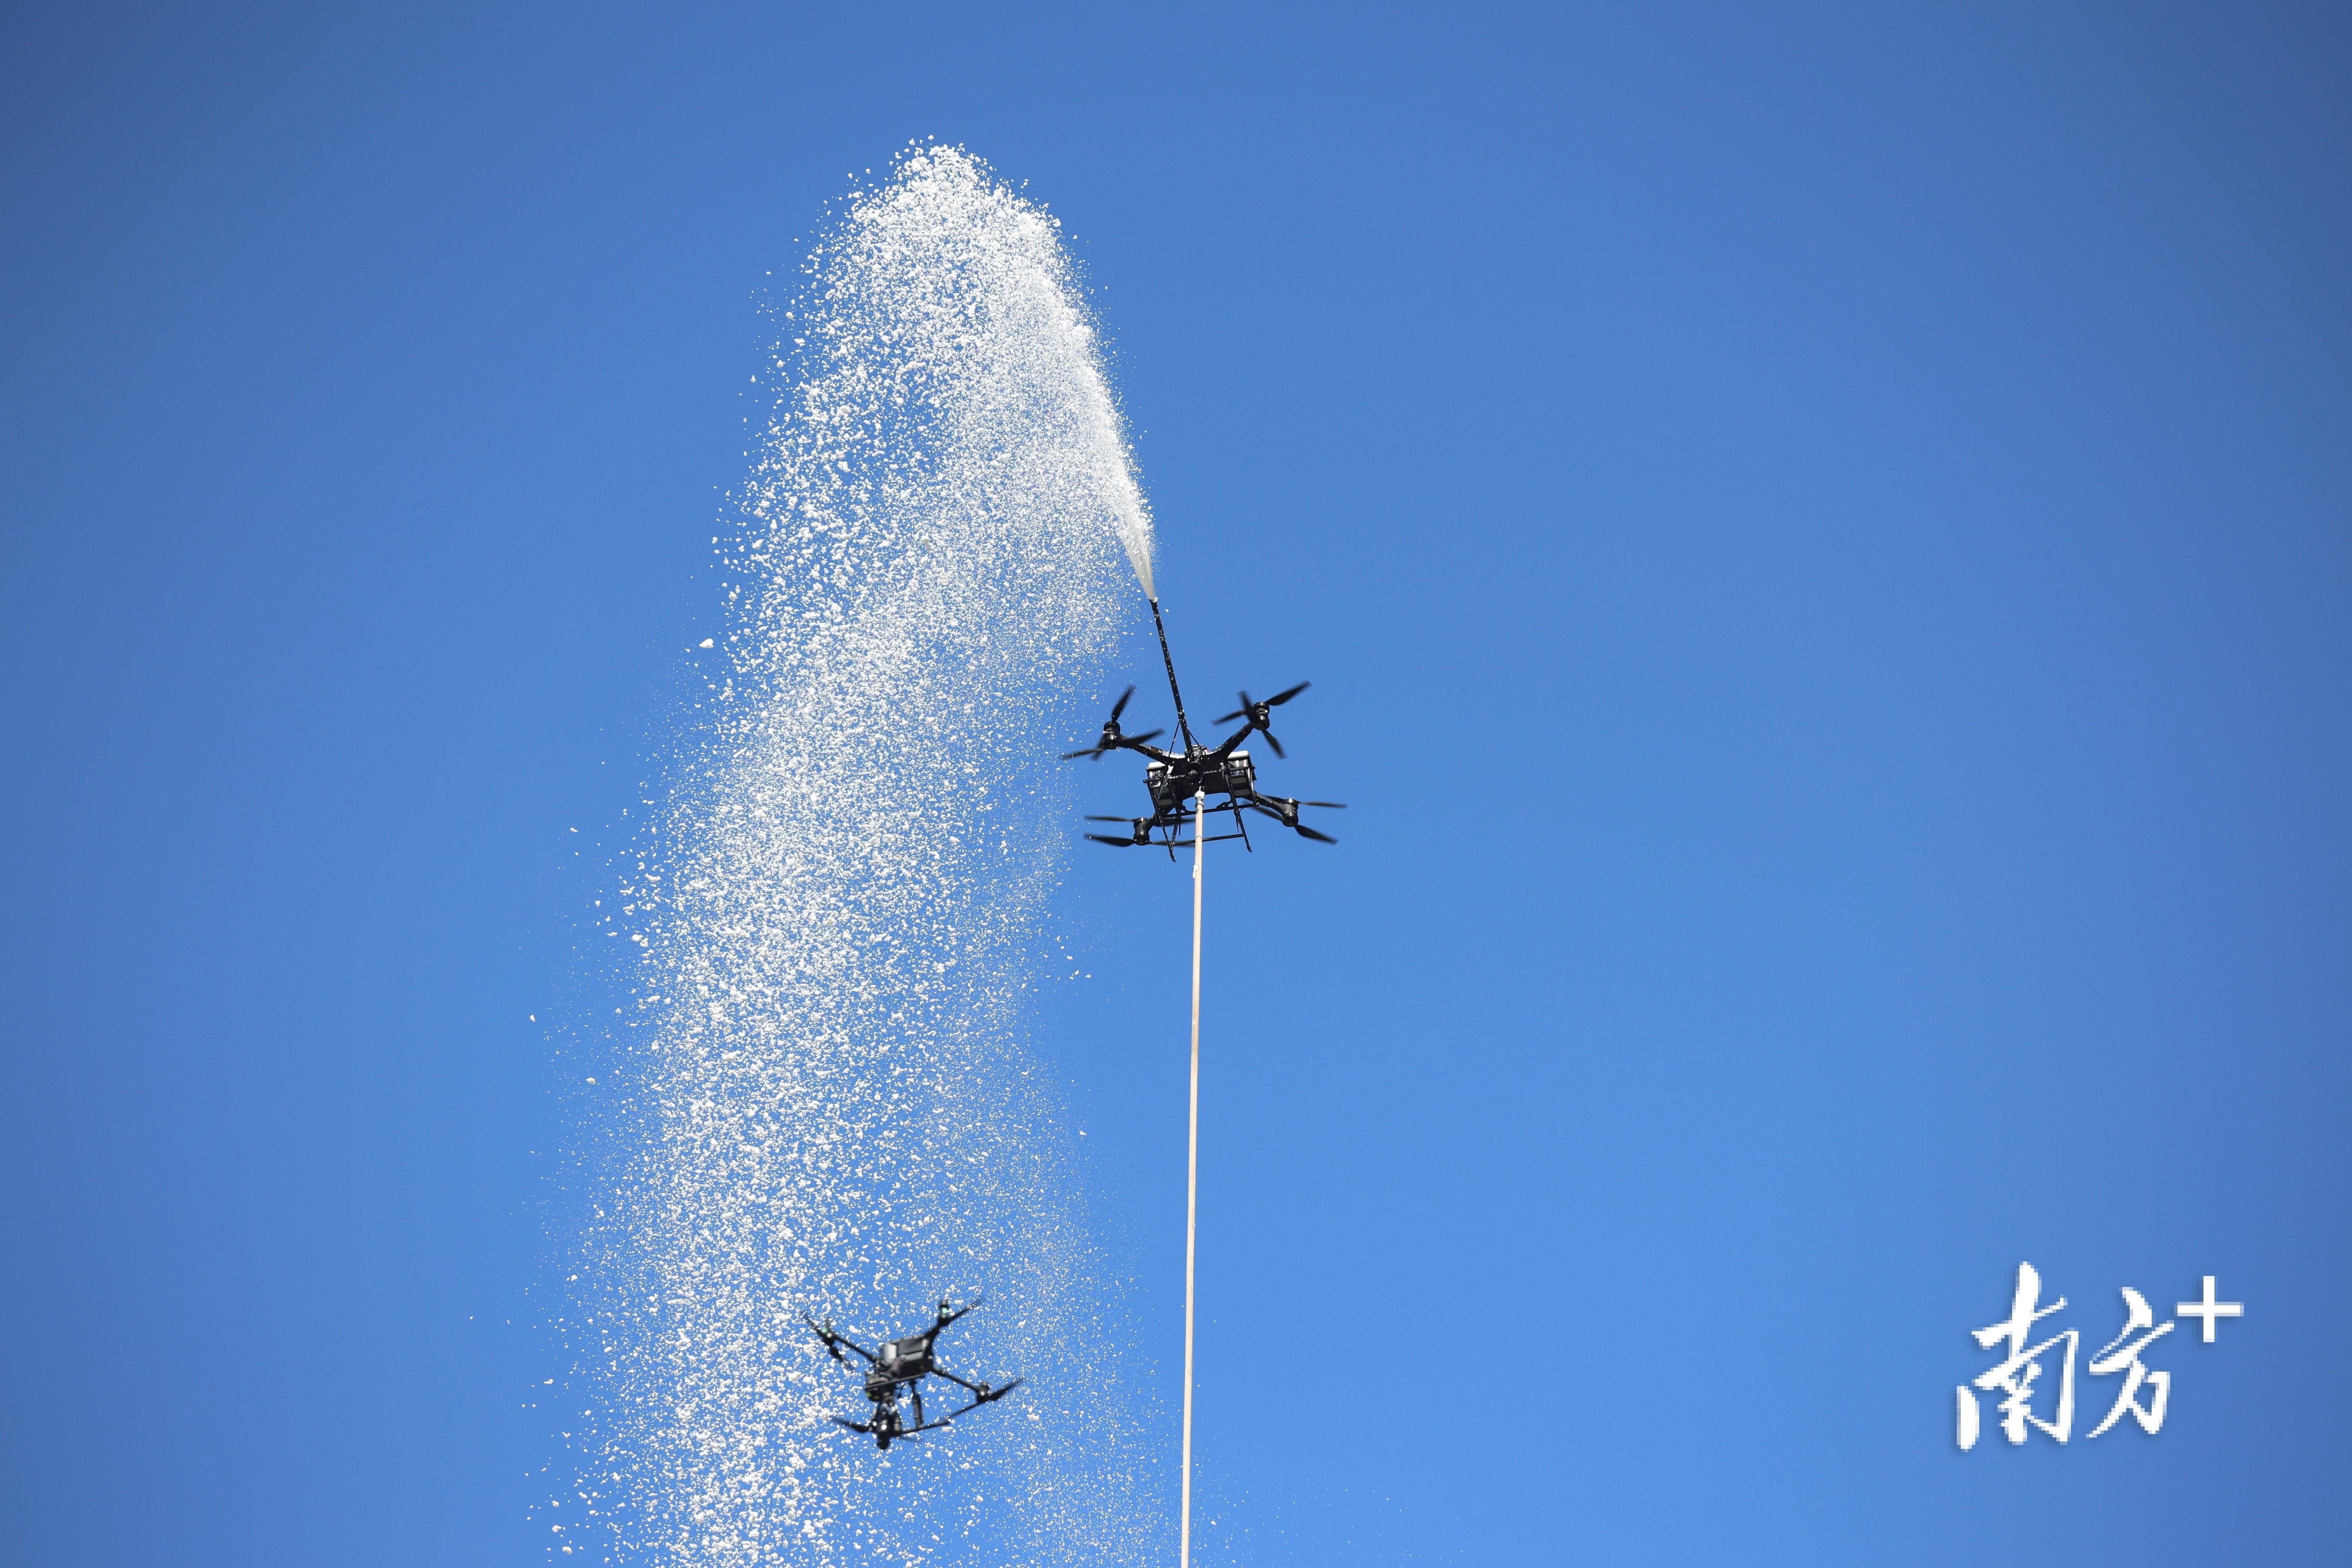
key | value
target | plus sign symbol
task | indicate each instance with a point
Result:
(2209, 1310)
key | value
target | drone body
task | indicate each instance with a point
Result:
(899, 1367)
(1215, 780)
(1223, 773)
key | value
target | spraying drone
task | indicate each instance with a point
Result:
(1174, 778)
(904, 1363)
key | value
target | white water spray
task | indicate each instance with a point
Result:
(832, 1109)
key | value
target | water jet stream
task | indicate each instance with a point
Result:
(830, 1106)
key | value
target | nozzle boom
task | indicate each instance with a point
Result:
(1182, 725)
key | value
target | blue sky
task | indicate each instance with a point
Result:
(1820, 536)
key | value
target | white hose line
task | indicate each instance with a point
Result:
(1192, 1173)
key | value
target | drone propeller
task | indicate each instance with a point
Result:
(1105, 749)
(1114, 843)
(1290, 818)
(1112, 740)
(1260, 714)
(1283, 806)
(1276, 700)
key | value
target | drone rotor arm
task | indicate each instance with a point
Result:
(981, 1392)
(993, 1394)
(967, 1387)
(1238, 736)
(1285, 810)
(832, 1339)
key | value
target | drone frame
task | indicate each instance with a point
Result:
(1230, 771)
(885, 1426)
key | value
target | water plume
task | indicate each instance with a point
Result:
(830, 1108)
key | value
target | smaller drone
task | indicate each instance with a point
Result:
(904, 1363)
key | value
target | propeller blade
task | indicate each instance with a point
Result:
(1120, 706)
(1307, 832)
(994, 1395)
(1126, 819)
(843, 1421)
(1278, 701)
(1238, 712)
(1275, 744)
(1147, 735)
(1089, 752)
(1327, 804)
(1114, 843)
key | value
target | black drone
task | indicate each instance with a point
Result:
(1174, 778)
(904, 1363)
